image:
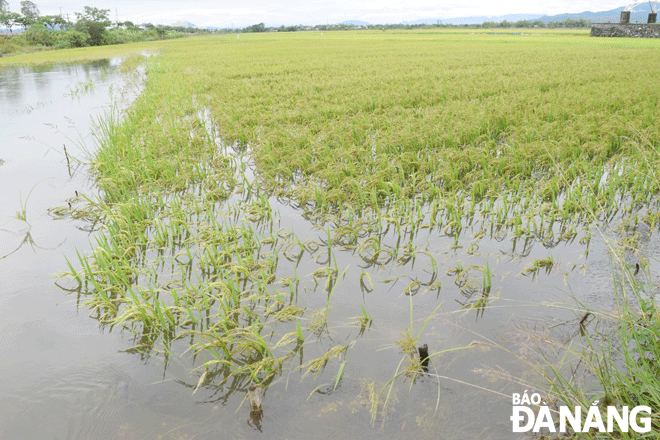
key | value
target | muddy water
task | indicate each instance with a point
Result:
(77, 380)
(60, 375)
(522, 309)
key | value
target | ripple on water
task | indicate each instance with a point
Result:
(90, 402)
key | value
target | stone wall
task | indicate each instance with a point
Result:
(625, 30)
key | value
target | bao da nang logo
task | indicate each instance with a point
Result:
(525, 419)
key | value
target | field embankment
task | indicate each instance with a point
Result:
(82, 54)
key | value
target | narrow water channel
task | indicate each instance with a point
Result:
(61, 375)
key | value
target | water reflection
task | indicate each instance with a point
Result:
(24, 86)
(56, 366)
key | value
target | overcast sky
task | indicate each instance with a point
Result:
(241, 13)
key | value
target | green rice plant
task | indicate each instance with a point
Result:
(366, 318)
(536, 265)
(81, 87)
(412, 370)
(363, 285)
(457, 270)
(409, 341)
(412, 288)
(339, 373)
(22, 213)
(299, 332)
(620, 361)
(487, 283)
(190, 244)
(288, 313)
(318, 321)
(631, 379)
(364, 321)
(315, 366)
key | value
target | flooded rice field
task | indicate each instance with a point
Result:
(485, 299)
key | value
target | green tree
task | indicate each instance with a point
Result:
(29, 11)
(72, 38)
(39, 35)
(4, 5)
(24, 21)
(52, 21)
(522, 24)
(94, 22)
(9, 19)
(95, 15)
(96, 32)
(256, 28)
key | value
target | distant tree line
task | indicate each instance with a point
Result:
(92, 27)
(568, 23)
(256, 28)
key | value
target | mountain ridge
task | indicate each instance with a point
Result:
(639, 15)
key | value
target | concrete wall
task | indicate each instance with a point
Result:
(625, 30)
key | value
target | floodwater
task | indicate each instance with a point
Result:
(64, 377)
(61, 376)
